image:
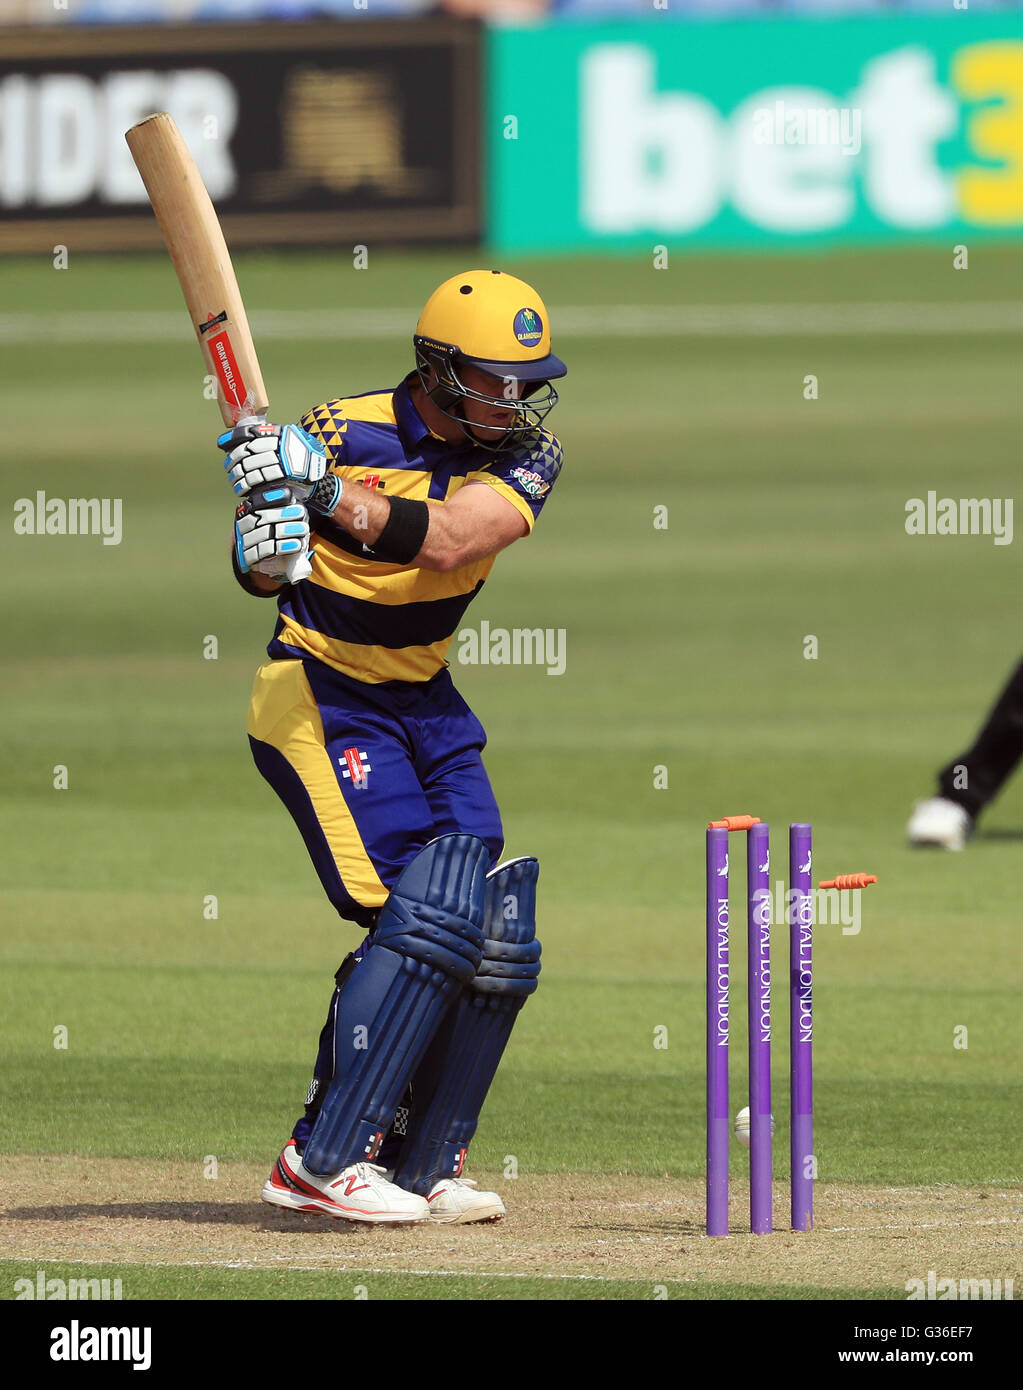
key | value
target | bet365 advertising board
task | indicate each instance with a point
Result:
(755, 133)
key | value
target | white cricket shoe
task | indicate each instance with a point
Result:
(939, 822)
(456, 1200)
(358, 1193)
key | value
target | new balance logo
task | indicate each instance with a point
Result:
(350, 1184)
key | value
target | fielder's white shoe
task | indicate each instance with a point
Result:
(939, 822)
(456, 1200)
(358, 1193)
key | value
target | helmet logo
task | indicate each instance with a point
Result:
(528, 327)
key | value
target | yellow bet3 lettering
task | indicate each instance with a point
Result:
(985, 72)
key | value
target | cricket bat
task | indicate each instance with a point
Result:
(198, 251)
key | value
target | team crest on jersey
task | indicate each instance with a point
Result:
(528, 327)
(532, 482)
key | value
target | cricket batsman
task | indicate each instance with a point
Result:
(402, 498)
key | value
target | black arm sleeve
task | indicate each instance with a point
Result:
(402, 538)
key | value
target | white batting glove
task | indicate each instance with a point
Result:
(270, 529)
(261, 454)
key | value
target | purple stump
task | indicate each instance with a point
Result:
(758, 937)
(801, 1023)
(718, 1119)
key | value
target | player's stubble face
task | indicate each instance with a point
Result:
(486, 423)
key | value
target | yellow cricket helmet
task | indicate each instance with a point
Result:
(493, 321)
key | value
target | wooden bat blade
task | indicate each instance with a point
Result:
(195, 241)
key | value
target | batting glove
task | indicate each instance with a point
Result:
(270, 528)
(261, 454)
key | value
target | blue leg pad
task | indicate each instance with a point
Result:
(427, 943)
(456, 1073)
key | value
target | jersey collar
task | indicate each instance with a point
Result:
(412, 429)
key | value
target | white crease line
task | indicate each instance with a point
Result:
(950, 1224)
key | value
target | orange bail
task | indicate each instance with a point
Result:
(734, 823)
(849, 881)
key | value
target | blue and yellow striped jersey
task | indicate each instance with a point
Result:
(375, 621)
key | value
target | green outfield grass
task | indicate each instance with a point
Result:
(189, 1036)
(148, 1282)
